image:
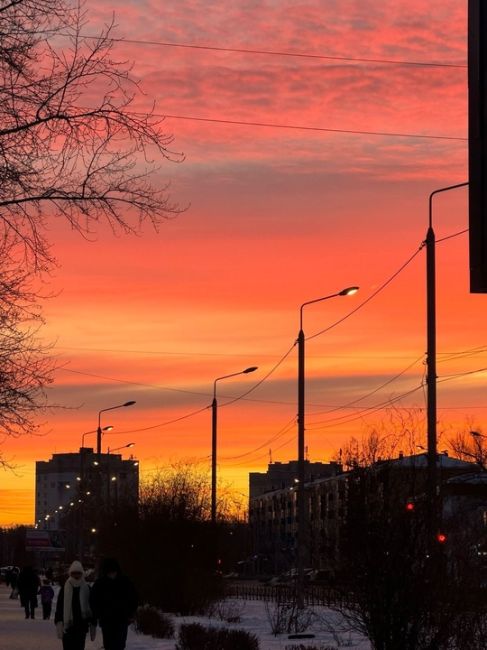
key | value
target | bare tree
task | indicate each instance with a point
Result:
(26, 366)
(74, 142)
(470, 446)
(399, 431)
(180, 491)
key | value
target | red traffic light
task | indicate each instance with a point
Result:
(409, 506)
(441, 538)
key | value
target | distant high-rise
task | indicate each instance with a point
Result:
(83, 477)
(283, 475)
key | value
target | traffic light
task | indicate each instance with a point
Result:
(410, 506)
(441, 538)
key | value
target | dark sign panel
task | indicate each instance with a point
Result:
(477, 137)
(44, 540)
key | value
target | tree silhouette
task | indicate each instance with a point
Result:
(74, 141)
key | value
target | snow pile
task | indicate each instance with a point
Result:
(329, 628)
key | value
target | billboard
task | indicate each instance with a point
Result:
(477, 143)
(44, 540)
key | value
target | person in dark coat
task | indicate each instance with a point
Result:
(73, 614)
(13, 578)
(28, 584)
(114, 604)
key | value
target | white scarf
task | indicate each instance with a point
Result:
(84, 600)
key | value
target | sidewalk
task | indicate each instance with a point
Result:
(19, 633)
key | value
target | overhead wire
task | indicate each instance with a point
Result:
(372, 295)
(303, 55)
(346, 419)
(279, 434)
(372, 392)
(245, 462)
(382, 286)
(301, 127)
(261, 381)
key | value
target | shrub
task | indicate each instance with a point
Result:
(194, 636)
(149, 620)
(229, 611)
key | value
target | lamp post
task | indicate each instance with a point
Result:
(109, 478)
(431, 363)
(99, 429)
(86, 433)
(214, 409)
(301, 503)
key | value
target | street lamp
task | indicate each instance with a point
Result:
(130, 444)
(86, 433)
(214, 408)
(99, 429)
(113, 478)
(301, 503)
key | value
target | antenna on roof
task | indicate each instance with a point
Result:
(270, 456)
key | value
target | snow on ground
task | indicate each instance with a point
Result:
(17, 633)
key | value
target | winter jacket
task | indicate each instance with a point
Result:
(28, 584)
(46, 593)
(113, 600)
(79, 623)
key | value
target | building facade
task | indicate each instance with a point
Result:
(273, 514)
(83, 479)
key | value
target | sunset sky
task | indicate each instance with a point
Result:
(276, 216)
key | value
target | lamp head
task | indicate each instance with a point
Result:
(349, 291)
(129, 403)
(251, 369)
(108, 428)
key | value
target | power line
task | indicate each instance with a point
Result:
(456, 234)
(372, 295)
(164, 424)
(365, 413)
(284, 444)
(244, 395)
(382, 286)
(275, 437)
(162, 353)
(302, 55)
(372, 392)
(184, 353)
(133, 383)
(299, 127)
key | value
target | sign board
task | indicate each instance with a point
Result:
(44, 540)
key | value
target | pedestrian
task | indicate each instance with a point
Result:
(13, 579)
(28, 584)
(114, 604)
(46, 593)
(73, 613)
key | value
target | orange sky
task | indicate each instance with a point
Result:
(276, 217)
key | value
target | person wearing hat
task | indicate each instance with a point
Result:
(114, 604)
(73, 615)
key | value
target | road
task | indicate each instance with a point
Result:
(18, 633)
